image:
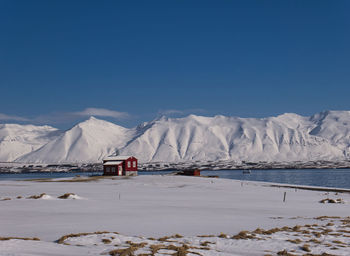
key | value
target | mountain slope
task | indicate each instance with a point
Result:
(17, 140)
(288, 137)
(88, 141)
(282, 138)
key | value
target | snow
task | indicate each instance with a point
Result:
(17, 140)
(116, 158)
(285, 138)
(156, 206)
(113, 163)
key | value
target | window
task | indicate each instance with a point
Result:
(129, 164)
(113, 169)
(134, 164)
(107, 169)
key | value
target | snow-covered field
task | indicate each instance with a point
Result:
(164, 215)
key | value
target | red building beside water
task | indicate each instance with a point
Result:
(120, 166)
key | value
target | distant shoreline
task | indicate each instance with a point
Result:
(8, 168)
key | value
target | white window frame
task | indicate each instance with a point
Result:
(129, 164)
(134, 164)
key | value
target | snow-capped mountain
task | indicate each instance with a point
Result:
(17, 140)
(288, 137)
(89, 142)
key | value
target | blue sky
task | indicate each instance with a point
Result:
(129, 61)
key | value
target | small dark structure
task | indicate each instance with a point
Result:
(194, 172)
(120, 166)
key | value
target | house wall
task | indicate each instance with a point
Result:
(130, 160)
(111, 170)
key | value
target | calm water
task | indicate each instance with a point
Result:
(339, 178)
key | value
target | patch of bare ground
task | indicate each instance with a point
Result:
(205, 236)
(285, 253)
(62, 239)
(106, 241)
(332, 201)
(180, 250)
(20, 238)
(324, 217)
(37, 196)
(127, 251)
(66, 195)
(206, 243)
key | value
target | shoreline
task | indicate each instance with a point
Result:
(9, 167)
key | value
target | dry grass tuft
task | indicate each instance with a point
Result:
(106, 241)
(206, 243)
(206, 236)
(164, 238)
(244, 235)
(332, 201)
(66, 195)
(285, 253)
(296, 241)
(62, 239)
(223, 235)
(37, 196)
(5, 199)
(315, 241)
(327, 217)
(317, 234)
(20, 238)
(306, 248)
(296, 228)
(271, 231)
(338, 242)
(156, 247)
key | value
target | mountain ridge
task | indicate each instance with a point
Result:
(286, 137)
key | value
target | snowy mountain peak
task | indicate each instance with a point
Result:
(92, 120)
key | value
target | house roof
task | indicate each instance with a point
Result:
(116, 158)
(113, 163)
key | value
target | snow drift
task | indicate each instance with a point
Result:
(288, 137)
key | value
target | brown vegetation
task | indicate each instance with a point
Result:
(62, 239)
(106, 241)
(37, 196)
(66, 195)
(20, 238)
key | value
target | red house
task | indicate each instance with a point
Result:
(120, 166)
